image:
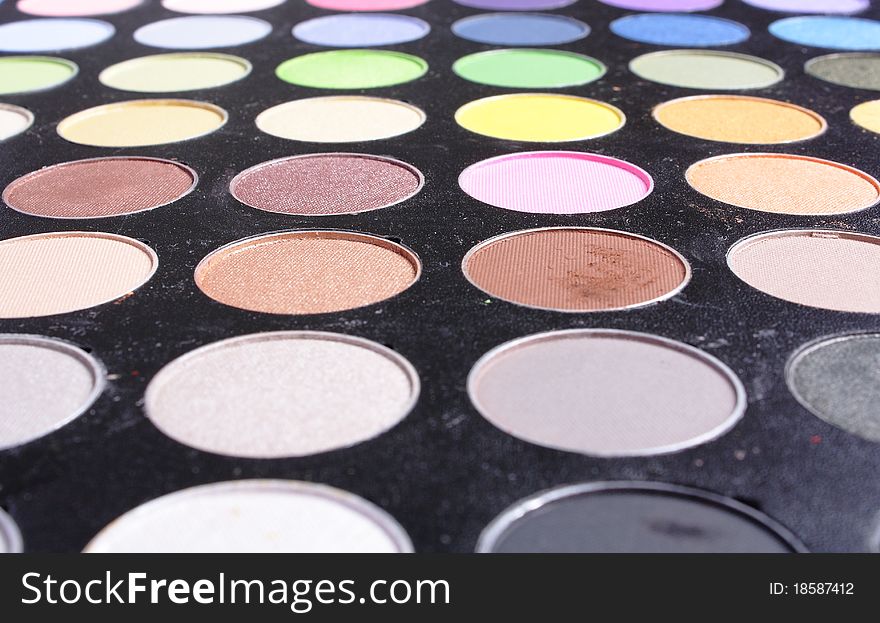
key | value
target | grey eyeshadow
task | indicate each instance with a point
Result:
(838, 380)
(859, 71)
(637, 522)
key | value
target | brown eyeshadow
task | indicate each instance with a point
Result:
(100, 187)
(576, 269)
(325, 184)
(307, 272)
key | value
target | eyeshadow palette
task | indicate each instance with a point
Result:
(436, 276)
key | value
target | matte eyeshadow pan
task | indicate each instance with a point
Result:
(140, 123)
(634, 517)
(366, 5)
(176, 72)
(205, 7)
(529, 68)
(606, 393)
(327, 184)
(340, 119)
(867, 115)
(53, 34)
(100, 187)
(858, 70)
(56, 273)
(576, 269)
(10, 536)
(361, 30)
(665, 5)
(680, 30)
(811, 6)
(833, 32)
(519, 29)
(707, 70)
(202, 32)
(76, 8)
(556, 182)
(784, 184)
(14, 120)
(739, 119)
(44, 384)
(254, 516)
(26, 74)
(284, 394)
(838, 380)
(822, 268)
(352, 69)
(307, 272)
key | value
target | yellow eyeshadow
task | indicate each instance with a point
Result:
(168, 73)
(867, 115)
(540, 117)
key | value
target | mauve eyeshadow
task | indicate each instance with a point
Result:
(100, 188)
(325, 184)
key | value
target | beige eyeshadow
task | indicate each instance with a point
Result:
(61, 272)
(307, 272)
(784, 184)
(829, 269)
(282, 394)
(576, 269)
(739, 119)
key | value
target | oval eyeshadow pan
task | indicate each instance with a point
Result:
(608, 393)
(269, 395)
(327, 184)
(633, 517)
(739, 119)
(27, 74)
(56, 273)
(46, 384)
(254, 516)
(867, 115)
(307, 272)
(520, 29)
(14, 120)
(53, 34)
(811, 6)
(516, 5)
(366, 5)
(202, 32)
(79, 8)
(707, 70)
(340, 119)
(822, 268)
(556, 182)
(529, 68)
(682, 6)
(176, 72)
(208, 7)
(361, 30)
(784, 184)
(576, 269)
(10, 536)
(858, 70)
(679, 30)
(352, 69)
(833, 32)
(100, 187)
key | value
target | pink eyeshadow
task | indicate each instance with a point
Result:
(556, 182)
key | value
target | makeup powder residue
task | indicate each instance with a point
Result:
(575, 269)
(307, 272)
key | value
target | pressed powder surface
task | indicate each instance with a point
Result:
(75, 8)
(556, 182)
(540, 117)
(361, 30)
(575, 269)
(254, 516)
(856, 70)
(307, 272)
(606, 393)
(139, 123)
(44, 383)
(834, 270)
(838, 380)
(324, 184)
(220, 6)
(55, 273)
(340, 119)
(617, 518)
(14, 120)
(520, 29)
(829, 31)
(867, 115)
(286, 394)
(53, 34)
(706, 70)
(352, 69)
(168, 73)
(784, 184)
(691, 31)
(23, 74)
(739, 119)
(100, 187)
(664, 5)
(366, 5)
(529, 69)
(201, 32)
(811, 6)
(516, 5)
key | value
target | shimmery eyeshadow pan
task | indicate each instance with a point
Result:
(556, 182)
(46, 383)
(607, 393)
(100, 187)
(837, 380)
(784, 184)
(634, 517)
(273, 395)
(340, 119)
(576, 269)
(858, 70)
(254, 516)
(681, 30)
(327, 184)
(307, 272)
(56, 273)
(822, 268)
